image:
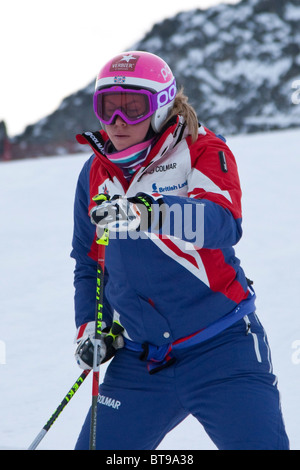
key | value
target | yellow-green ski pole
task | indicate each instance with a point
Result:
(102, 242)
(58, 410)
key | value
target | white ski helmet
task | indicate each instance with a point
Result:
(139, 70)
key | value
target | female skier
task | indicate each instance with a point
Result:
(187, 338)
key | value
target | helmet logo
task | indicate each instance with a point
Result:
(166, 71)
(124, 63)
(119, 79)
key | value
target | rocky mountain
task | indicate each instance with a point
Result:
(239, 64)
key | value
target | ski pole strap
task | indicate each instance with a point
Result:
(104, 238)
(115, 331)
(160, 357)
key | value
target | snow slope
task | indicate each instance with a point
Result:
(37, 367)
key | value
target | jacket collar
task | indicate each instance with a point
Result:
(172, 133)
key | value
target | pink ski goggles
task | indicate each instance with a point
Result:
(133, 106)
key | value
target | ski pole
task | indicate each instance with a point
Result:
(102, 242)
(59, 409)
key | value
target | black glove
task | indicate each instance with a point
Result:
(122, 213)
(111, 340)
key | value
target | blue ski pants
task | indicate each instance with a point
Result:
(226, 383)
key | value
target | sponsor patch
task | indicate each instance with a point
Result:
(163, 189)
(124, 63)
(119, 79)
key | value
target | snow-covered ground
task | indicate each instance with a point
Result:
(37, 365)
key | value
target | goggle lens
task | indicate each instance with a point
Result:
(132, 106)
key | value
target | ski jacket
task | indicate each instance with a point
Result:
(165, 286)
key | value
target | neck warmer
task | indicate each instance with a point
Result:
(130, 159)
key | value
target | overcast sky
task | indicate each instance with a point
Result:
(50, 49)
